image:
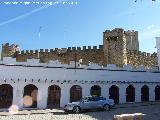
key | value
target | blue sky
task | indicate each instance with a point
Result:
(68, 25)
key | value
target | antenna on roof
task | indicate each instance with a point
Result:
(39, 32)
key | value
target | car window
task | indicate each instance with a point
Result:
(102, 98)
(90, 99)
(94, 99)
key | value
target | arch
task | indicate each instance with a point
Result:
(130, 94)
(54, 96)
(6, 95)
(157, 92)
(30, 96)
(144, 93)
(114, 93)
(95, 90)
(75, 93)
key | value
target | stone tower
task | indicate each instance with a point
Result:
(116, 43)
(131, 40)
(9, 50)
(158, 49)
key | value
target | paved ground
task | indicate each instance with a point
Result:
(151, 111)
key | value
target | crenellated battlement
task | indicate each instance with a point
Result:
(137, 58)
(63, 50)
(87, 53)
(29, 52)
(83, 48)
(140, 53)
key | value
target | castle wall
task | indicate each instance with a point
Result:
(90, 54)
(138, 58)
(9, 50)
(158, 49)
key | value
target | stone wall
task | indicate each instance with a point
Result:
(95, 55)
(131, 40)
(158, 49)
(137, 58)
(9, 50)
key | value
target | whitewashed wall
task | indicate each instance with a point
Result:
(47, 74)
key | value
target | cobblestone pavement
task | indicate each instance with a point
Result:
(151, 111)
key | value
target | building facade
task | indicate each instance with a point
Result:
(55, 84)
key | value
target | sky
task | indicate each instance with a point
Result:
(76, 23)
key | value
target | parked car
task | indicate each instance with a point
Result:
(89, 103)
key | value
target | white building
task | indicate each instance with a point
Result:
(40, 85)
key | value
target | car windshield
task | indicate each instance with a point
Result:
(85, 98)
(92, 98)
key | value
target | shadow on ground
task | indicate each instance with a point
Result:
(150, 109)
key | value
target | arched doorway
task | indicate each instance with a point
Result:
(144, 93)
(114, 93)
(130, 94)
(75, 93)
(54, 96)
(95, 90)
(30, 96)
(6, 95)
(157, 92)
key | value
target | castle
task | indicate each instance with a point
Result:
(119, 47)
(48, 79)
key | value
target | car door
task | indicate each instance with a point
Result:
(97, 102)
(86, 103)
(93, 103)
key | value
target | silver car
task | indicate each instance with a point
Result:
(89, 102)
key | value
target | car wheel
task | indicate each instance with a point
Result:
(76, 109)
(106, 107)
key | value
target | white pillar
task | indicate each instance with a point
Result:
(18, 95)
(42, 96)
(86, 90)
(151, 93)
(107, 91)
(122, 93)
(104, 91)
(65, 95)
(138, 93)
